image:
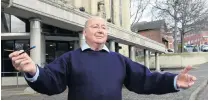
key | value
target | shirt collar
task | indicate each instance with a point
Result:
(85, 46)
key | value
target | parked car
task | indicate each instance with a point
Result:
(195, 49)
(189, 48)
(204, 48)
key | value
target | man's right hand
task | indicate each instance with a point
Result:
(23, 62)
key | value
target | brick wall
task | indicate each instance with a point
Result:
(197, 38)
(152, 34)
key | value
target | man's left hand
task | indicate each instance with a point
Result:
(185, 80)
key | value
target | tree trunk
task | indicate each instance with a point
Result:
(175, 29)
(182, 41)
(175, 38)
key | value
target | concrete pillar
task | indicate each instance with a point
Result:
(132, 53)
(94, 7)
(116, 19)
(77, 3)
(81, 39)
(38, 40)
(112, 45)
(124, 49)
(146, 58)
(107, 9)
(43, 50)
(126, 14)
(116, 11)
(157, 63)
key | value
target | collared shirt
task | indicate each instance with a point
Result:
(85, 46)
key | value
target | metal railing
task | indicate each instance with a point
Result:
(17, 76)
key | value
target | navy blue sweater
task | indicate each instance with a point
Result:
(99, 75)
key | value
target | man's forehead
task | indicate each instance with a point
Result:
(96, 20)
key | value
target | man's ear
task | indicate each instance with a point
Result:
(84, 32)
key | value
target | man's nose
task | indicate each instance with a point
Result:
(100, 31)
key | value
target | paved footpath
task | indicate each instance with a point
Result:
(204, 94)
(201, 72)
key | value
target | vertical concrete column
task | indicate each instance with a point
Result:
(116, 19)
(94, 7)
(157, 63)
(126, 14)
(107, 9)
(112, 45)
(132, 53)
(77, 3)
(146, 58)
(116, 11)
(43, 50)
(36, 39)
(81, 39)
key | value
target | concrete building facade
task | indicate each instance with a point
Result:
(55, 27)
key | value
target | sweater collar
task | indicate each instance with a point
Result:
(85, 46)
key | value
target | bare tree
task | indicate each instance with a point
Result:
(137, 9)
(187, 15)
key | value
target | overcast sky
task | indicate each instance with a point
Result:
(147, 16)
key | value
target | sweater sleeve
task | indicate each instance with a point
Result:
(141, 80)
(52, 78)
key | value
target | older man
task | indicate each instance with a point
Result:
(94, 72)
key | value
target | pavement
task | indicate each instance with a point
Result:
(200, 71)
(203, 95)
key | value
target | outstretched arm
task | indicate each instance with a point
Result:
(52, 79)
(141, 80)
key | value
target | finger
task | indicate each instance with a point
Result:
(193, 78)
(190, 84)
(18, 68)
(25, 62)
(189, 78)
(185, 86)
(22, 56)
(20, 64)
(27, 56)
(15, 65)
(17, 62)
(18, 57)
(14, 54)
(186, 70)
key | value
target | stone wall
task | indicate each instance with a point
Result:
(178, 60)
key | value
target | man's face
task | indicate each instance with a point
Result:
(96, 31)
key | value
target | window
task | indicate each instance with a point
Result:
(62, 47)
(54, 49)
(50, 51)
(9, 46)
(22, 44)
